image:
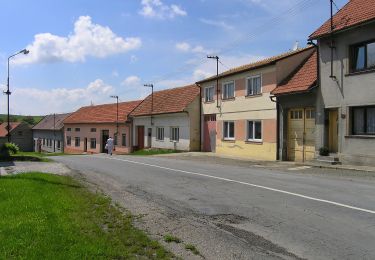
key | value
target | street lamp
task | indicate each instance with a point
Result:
(217, 78)
(8, 93)
(116, 97)
(152, 99)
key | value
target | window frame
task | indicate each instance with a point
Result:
(75, 141)
(123, 140)
(171, 138)
(205, 94)
(91, 142)
(157, 133)
(93, 130)
(68, 129)
(255, 140)
(364, 120)
(261, 85)
(77, 129)
(223, 90)
(352, 53)
(69, 141)
(234, 130)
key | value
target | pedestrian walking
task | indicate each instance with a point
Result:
(109, 145)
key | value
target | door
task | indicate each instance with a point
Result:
(333, 130)
(301, 134)
(105, 136)
(209, 133)
(141, 137)
(149, 137)
(85, 145)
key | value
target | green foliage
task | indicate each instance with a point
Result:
(170, 238)
(20, 118)
(192, 248)
(29, 120)
(8, 149)
(154, 151)
(324, 151)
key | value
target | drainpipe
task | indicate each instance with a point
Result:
(200, 118)
(277, 126)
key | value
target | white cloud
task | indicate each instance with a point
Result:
(157, 9)
(217, 23)
(132, 82)
(33, 101)
(183, 46)
(186, 47)
(88, 39)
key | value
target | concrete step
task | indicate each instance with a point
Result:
(331, 159)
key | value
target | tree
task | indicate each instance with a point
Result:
(29, 120)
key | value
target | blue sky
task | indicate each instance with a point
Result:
(83, 51)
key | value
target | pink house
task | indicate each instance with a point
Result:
(87, 129)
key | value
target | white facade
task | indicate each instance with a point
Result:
(167, 122)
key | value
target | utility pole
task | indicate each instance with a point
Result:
(152, 100)
(332, 44)
(217, 78)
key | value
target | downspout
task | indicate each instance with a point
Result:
(200, 118)
(277, 126)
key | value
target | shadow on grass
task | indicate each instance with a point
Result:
(27, 177)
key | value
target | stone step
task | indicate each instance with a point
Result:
(331, 159)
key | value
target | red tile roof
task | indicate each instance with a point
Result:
(3, 128)
(168, 101)
(355, 12)
(51, 122)
(255, 65)
(302, 79)
(102, 113)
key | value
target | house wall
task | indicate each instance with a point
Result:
(55, 136)
(345, 91)
(23, 137)
(181, 120)
(85, 132)
(194, 114)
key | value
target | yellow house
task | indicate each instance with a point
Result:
(238, 116)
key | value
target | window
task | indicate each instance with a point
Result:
(68, 140)
(93, 130)
(228, 130)
(296, 114)
(68, 129)
(254, 131)
(93, 143)
(310, 113)
(363, 120)
(362, 56)
(77, 142)
(77, 129)
(160, 133)
(123, 140)
(228, 90)
(20, 133)
(209, 94)
(58, 144)
(44, 141)
(254, 86)
(115, 139)
(175, 134)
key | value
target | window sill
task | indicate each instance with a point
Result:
(209, 102)
(228, 140)
(355, 73)
(253, 96)
(254, 142)
(228, 99)
(360, 136)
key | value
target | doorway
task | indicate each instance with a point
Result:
(85, 145)
(141, 136)
(333, 130)
(209, 133)
(149, 137)
(105, 136)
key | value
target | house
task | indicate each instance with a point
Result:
(346, 119)
(238, 116)
(296, 99)
(88, 129)
(20, 134)
(168, 119)
(48, 134)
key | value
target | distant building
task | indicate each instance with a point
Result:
(88, 129)
(21, 134)
(48, 134)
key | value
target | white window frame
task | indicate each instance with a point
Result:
(234, 131)
(247, 84)
(172, 139)
(207, 89)
(157, 133)
(75, 142)
(248, 133)
(223, 89)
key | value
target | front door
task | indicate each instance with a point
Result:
(333, 130)
(149, 137)
(85, 145)
(209, 133)
(141, 137)
(105, 136)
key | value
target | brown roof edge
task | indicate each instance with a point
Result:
(313, 86)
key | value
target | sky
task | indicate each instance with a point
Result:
(84, 51)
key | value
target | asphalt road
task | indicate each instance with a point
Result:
(310, 215)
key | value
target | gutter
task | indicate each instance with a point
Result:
(277, 126)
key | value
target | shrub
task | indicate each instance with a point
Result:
(324, 151)
(9, 148)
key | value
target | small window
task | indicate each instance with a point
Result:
(77, 142)
(254, 86)
(228, 131)
(68, 141)
(363, 120)
(254, 131)
(93, 130)
(310, 113)
(228, 90)
(209, 94)
(44, 141)
(160, 133)
(58, 144)
(93, 143)
(296, 114)
(123, 140)
(20, 133)
(175, 134)
(115, 139)
(69, 129)
(362, 56)
(78, 129)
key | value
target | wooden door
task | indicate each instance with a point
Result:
(333, 130)
(141, 137)
(209, 133)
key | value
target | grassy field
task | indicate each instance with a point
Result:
(19, 118)
(153, 152)
(46, 216)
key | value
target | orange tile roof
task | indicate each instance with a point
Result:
(168, 101)
(3, 129)
(255, 65)
(355, 12)
(302, 79)
(106, 113)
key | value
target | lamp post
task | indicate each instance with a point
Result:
(217, 78)
(8, 93)
(152, 99)
(116, 97)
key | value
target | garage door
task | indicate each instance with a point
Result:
(301, 134)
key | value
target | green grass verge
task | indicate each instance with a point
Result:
(45, 216)
(170, 238)
(153, 152)
(31, 156)
(192, 248)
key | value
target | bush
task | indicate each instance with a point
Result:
(9, 148)
(324, 151)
